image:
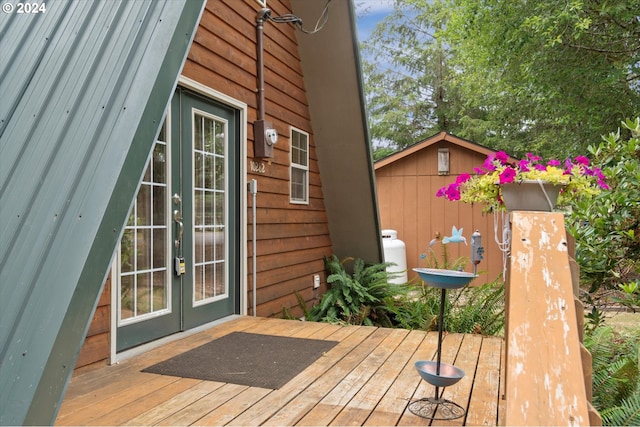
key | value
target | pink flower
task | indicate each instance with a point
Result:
(553, 162)
(463, 178)
(479, 171)
(539, 167)
(523, 165)
(453, 192)
(533, 158)
(502, 157)
(582, 160)
(507, 175)
(441, 192)
(488, 163)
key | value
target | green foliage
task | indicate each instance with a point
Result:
(477, 309)
(357, 298)
(631, 295)
(607, 226)
(518, 76)
(365, 297)
(616, 375)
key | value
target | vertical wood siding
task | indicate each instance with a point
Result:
(407, 203)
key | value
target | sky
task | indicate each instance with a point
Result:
(369, 13)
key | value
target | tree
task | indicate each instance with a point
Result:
(519, 76)
(408, 94)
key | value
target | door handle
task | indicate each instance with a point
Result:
(177, 217)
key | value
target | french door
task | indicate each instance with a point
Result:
(178, 261)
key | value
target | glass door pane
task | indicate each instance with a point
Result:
(143, 267)
(209, 210)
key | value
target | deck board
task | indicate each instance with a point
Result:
(367, 379)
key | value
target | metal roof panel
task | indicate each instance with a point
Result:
(83, 91)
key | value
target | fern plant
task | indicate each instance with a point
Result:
(616, 375)
(358, 298)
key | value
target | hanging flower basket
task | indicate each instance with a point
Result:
(530, 195)
(562, 182)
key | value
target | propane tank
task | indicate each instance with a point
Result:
(395, 252)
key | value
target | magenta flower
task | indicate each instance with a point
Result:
(582, 160)
(488, 163)
(463, 178)
(507, 175)
(533, 158)
(553, 162)
(441, 192)
(479, 171)
(523, 165)
(502, 157)
(539, 167)
(453, 192)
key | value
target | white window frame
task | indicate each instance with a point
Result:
(298, 166)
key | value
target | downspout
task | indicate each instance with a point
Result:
(263, 15)
(253, 189)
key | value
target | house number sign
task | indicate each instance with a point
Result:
(258, 167)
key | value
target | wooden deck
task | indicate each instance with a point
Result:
(367, 379)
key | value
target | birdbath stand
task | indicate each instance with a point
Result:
(438, 373)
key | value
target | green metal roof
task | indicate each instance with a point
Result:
(83, 88)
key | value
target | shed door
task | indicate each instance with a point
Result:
(178, 263)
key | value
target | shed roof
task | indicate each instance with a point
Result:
(84, 88)
(439, 137)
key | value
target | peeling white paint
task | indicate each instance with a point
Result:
(545, 240)
(519, 368)
(547, 382)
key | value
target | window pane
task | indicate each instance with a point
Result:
(159, 164)
(127, 251)
(209, 171)
(198, 207)
(197, 132)
(159, 245)
(198, 170)
(198, 236)
(143, 249)
(220, 138)
(198, 283)
(143, 205)
(159, 205)
(220, 288)
(143, 294)
(159, 291)
(127, 296)
(298, 184)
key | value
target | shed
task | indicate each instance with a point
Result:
(407, 182)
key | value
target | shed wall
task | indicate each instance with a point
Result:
(407, 203)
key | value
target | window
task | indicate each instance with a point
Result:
(299, 166)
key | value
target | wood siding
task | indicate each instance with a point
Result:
(407, 203)
(292, 239)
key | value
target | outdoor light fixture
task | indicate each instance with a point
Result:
(443, 161)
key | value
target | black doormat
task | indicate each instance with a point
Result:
(256, 360)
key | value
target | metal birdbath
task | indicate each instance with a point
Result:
(438, 373)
